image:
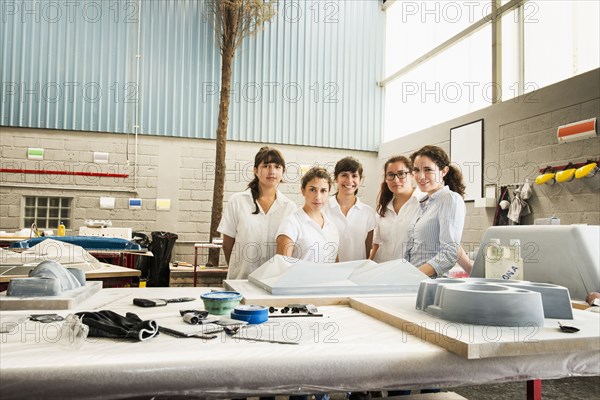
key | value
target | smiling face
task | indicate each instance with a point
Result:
(269, 175)
(398, 185)
(428, 174)
(315, 194)
(348, 182)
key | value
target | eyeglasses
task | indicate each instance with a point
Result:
(390, 176)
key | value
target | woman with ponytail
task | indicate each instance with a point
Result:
(435, 232)
(251, 218)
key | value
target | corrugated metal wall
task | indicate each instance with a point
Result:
(309, 78)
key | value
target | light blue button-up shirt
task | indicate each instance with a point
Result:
(436, 230)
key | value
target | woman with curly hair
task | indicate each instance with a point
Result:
(435, 232)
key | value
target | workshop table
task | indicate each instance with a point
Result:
(345, 350)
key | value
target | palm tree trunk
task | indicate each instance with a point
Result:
(223, 120)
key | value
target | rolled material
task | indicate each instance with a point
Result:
(252, 314)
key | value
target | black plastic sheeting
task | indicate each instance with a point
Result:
(155, 269)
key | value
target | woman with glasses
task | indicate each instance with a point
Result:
(435, 232)
(251, 219)
(354, 219)
(396, 206)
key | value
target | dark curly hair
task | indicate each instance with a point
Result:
(453, 178)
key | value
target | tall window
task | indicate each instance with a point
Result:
(543, 42)
(562, 39)
(47, 212)
(442, 88)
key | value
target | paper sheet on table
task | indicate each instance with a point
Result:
(69, 255)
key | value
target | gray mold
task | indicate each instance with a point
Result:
(494, 302)
(555, 299)
(49, 278)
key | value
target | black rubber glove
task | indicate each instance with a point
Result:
(109, 324)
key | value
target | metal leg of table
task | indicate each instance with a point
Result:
(534, 389)
(195, 263)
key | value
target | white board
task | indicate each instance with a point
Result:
(466, 152)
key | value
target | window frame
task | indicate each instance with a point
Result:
(41, 213)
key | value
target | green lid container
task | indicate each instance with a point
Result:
(221, 303)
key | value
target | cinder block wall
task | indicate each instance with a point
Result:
(530, 144)
(179, 169)
(519, 139)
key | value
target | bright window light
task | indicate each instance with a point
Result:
(454, 83)
(562, 39)
(510, 55)
(413, 28)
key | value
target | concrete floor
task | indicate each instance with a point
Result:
(557, 389)
(567, 388)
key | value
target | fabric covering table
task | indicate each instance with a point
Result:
(345, 350)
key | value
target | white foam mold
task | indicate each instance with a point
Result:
(289, 276)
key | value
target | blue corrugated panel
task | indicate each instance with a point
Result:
(309, 78)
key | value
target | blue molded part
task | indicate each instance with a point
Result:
(87, 242)
(252, 319)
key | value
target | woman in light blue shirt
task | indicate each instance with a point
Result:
(435, 231)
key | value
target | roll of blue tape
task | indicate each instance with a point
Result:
(252, 314)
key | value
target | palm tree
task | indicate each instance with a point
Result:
(232, 21)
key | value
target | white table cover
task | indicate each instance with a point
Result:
(343, 351)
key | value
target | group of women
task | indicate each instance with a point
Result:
(424, 229)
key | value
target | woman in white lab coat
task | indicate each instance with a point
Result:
(396, 205)
(251, 218)
(308, 234)
(354, 219)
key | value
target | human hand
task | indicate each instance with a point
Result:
(593, 299)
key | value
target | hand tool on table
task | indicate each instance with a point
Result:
(295, 310)
(179, 334)
(160, 302)
(231, 331)
(567, 328)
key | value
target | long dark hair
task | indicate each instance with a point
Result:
(385, 194)
(453, 178)
(266, 155)
(348, 164)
